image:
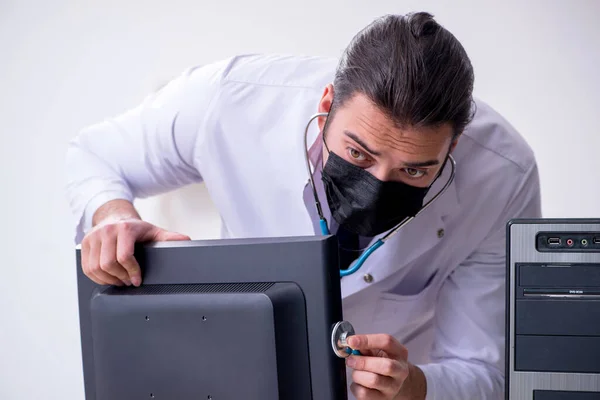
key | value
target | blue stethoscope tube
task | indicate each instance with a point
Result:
(358, 263)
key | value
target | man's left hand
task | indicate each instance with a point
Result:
(382, 371)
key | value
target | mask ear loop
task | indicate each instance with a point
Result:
(322, 220)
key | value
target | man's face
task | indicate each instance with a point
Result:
(364, 136)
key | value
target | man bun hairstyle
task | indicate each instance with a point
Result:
(412, 68)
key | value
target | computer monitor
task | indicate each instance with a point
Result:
(220, 319)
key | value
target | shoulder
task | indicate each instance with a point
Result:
(274, 70)
(282, 70)
(496, 178)
(494, 163)
(491, 138)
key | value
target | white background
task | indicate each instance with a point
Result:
(67, 63)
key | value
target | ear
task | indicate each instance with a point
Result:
(325, 105)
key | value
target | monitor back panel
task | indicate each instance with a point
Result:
(183, 278)
(191, 341)
(553, 304)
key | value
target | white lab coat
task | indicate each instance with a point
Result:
(238, 124)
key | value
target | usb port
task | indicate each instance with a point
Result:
(597, 240)
(555, 241)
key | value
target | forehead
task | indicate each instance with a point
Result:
(361, 118)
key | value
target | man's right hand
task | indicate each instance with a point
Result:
(107, 250)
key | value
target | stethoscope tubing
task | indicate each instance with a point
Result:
(358, 263)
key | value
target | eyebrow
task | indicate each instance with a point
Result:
(417, 164)
(421, 164)
(358, 140)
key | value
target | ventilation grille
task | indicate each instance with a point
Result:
(257, 287)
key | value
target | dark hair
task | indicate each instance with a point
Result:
(412, 68)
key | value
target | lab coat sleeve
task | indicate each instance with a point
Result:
(468, 355)
(144, 151)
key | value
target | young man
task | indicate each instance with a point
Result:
(429, 305)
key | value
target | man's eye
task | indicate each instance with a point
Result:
(356, 155)
(414, 173)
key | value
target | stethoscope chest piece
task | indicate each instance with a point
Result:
(339, 336)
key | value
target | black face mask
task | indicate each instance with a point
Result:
(362, 203)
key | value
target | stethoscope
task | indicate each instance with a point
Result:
(358, 263)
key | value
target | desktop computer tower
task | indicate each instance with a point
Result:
(553, 310)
